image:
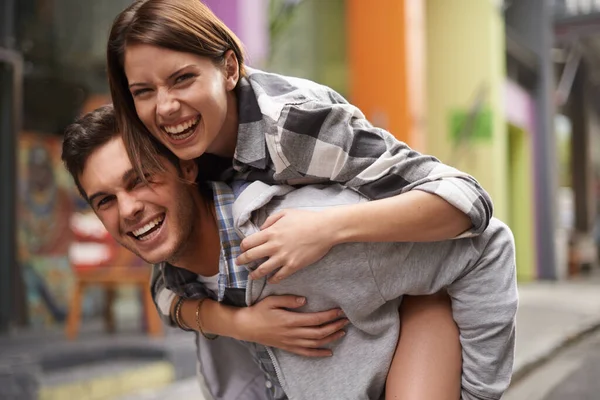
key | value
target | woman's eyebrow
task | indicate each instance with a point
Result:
(168, 78)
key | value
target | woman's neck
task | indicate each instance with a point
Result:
(226, 141)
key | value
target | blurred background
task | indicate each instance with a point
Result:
(508, 91)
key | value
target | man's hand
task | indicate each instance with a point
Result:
(268, 322)
(290, 239)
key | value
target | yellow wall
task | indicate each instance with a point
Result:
(466, 51)
(520, 203)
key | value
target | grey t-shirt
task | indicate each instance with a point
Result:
(368, 280)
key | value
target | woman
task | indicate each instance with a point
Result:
(177, 72)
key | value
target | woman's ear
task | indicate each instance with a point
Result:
(189, 170)
(232, 70)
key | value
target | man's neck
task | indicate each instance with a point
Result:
(203, 257)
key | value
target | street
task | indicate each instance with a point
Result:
(571, 374)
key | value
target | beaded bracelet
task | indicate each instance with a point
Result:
(199, 325)
(178, 320)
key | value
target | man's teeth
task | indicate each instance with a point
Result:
(147, 227)
(176, 129)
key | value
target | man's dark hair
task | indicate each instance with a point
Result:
(90, 132)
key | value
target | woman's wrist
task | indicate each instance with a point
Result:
(338, 222)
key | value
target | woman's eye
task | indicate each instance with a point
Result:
(184, 77)
(140, 92)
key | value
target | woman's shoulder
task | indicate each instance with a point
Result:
(290, 90)
(279, 96)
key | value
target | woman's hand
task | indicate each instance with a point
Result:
(268, 322)
(290, 239)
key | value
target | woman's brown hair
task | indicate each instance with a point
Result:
(187, 26)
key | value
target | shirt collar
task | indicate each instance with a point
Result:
(185, 283)
(251, 146)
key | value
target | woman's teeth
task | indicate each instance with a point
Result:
(183, 130)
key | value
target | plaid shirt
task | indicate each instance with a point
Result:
(299, 132)
(295, 131)
(169, 281)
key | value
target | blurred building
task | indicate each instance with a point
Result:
(577, 62)
(501, 89)
(52, 69)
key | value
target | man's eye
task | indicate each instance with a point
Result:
(104, 201)
(137, 181)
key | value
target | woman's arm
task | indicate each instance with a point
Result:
(334, 142)
(414, 216)
(416, 197)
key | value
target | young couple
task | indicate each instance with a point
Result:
(345, 221)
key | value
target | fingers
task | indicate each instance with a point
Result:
(315, 347)
(284, 302)
(283, 273)
(272, 219)
(265, 269)
(254, 240)
(253, 254)
(303, 351)
(314, 319)
(318, 337)
(320, 343)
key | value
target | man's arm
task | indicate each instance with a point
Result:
(269, 322)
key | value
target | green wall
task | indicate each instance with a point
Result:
(310, 42)
(520, 204)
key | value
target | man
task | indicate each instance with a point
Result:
(172, 223)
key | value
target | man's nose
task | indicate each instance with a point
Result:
(130, 207)
(167, 104)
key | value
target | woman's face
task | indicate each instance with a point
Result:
(186, 101)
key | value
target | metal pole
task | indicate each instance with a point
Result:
(11, 105)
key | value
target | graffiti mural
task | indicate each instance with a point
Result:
(48, 203)
(45, 203)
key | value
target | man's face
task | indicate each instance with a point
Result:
(155, 221)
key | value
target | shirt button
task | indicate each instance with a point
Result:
(268, 384)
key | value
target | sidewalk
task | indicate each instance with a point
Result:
(550, 316)
(131, 366)
(44, 365)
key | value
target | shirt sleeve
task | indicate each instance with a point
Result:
(163, 297)
(336, 142)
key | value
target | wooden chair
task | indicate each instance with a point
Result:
(95, 261)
